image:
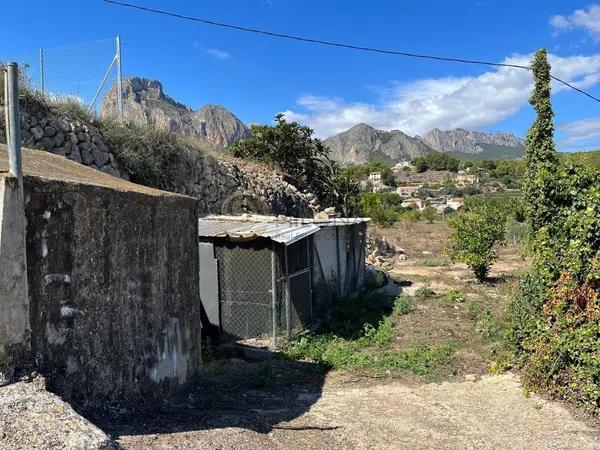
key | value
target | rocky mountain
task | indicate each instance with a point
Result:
(145, 102)
(465, 141)
(363, 143)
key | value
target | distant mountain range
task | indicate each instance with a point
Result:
(363, 144)
(146, 102)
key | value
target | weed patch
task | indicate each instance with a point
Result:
(343, 344)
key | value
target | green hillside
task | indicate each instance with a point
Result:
(591, 158)
(491, 152)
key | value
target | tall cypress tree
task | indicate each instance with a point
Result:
(540, 154)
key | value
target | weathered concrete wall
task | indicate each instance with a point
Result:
(113, 283)
(14, 304)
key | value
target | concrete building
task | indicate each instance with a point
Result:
(269, 277)
(376, 182)
(466, 178)
(98, 282)
(415, 203)
(408, 190)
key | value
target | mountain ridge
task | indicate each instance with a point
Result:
(144, 101)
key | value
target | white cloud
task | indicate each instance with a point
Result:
(217, 53)
(586, 19)
(580, 134)
(470, 102)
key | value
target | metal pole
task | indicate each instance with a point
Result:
(288, 305)
(119, 78)
(274, 295)
(102, 84)
(42, 74)
(13, 138)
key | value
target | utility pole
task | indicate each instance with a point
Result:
(42, 74)
(119, 78)
(13, 125)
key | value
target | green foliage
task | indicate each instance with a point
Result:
(429, 214)
(424, 292)
(403, 305)
(147, 153)
(555, 321)
(359, 335)
(382, 208)
(292, 148)
(456, 297)
(473, 239)
(589, 159)
(436, 161)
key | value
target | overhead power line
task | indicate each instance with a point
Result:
(339, 44)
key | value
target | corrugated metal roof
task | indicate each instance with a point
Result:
(285, 230)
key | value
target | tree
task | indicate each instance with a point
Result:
(473, 240)
(540, 154)
(429, 214)
(292, 148)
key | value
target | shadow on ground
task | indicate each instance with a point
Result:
(233, 392)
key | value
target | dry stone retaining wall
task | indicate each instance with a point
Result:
(216, 182)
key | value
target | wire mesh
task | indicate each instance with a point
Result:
(72, 71)
(246, 289)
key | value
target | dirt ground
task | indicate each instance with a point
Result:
(281, 403)
(491, 412)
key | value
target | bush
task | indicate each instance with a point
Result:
(403, 305)
(382, 208)
(147, 153)
(473, 240)
(429, 214)
(555, 321)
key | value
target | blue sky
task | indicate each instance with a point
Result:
(333, 89)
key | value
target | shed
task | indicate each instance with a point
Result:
(267, 276)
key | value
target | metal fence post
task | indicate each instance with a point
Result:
(13, 130)
(288, 304)
(42, 73)
(274, 295)
(119, 78)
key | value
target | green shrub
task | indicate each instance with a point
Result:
(403, 305)
(456, 297)
(473, 240)
(147, 153)
(555, 322)
(424, 292)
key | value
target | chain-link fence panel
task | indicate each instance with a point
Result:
(245, 288)
(79, 72)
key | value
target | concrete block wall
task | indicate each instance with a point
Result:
(113, 282)
(14, 302)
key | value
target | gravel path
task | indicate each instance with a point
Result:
(491, 412)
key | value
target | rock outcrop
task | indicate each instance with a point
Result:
(363, 143)
(144, 101)
(465, 141)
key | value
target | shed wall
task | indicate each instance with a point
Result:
(113, 283)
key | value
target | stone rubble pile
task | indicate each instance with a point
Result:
(33, 418)
(382, 254)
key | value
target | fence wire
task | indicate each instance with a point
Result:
(78, 72)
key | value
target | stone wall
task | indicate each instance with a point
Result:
(66, 136)
(227, 186)
(217, 181)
